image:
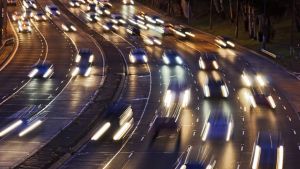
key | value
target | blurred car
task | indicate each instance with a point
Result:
(27, 14)
(214, 87)
(218, 126)
(39, 16)
(133, 30)
(153, 19)
(118, 19)
(167, 29)
(24, 26)
(208, 62)
(104, 11)
(110, 26)
(128, 2)
(12, 2)
(42, 70)
(178, 93)
(183, 31)
(135, 21)
(68, 27)
(268, 152)
(84, 60)
(106, 4)
(74, 3)
(91, 7)
(195, 166)
(171, 57)
(17, 16)
(262, 97)
(251, 78)
(118, 120)
(29, 4)
(92, 16)
(224, 42)
(52, 10)
(152, 40)
(138, 55)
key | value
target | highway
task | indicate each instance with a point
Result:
(58, 101)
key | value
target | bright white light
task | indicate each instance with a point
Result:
(75, 71)
(132, 58)
(101, 131)
(127, 115)
(246, 80)
(48, 73)
(280, 156)
(224, 91)
(145, 58)
(206, 131)
(271, 101)
(73, 28)
(206, 91)
(252, 101)
(158, 42)
(166, 60)
(183, 166)
(122, 131)
(201, 64)
(256, 157)
(215, 64)
(230, 44)
(33, 73)
(190, 34)
(91, 59)
(220, 42)
(168, 98)
(186, 98)
(88, 72)
(11, 127)
(229, 131)
(78, 58)
(178, 60)
(115, 27)
(260, 80)
(209, 166)
(30, 128)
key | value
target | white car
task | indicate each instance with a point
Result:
(24, 26)
(29, 4)
(52, 10)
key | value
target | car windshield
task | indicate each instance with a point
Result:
(139, 52)
(171, 53)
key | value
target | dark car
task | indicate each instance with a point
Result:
(42, 70)
(133, 30)
(171, 57)
(215, 88)
(208, 62)
(84, 61)
(138, 55)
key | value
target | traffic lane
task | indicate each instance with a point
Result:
(31, 49)
(57, 116)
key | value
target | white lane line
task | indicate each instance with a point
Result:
(46, 43)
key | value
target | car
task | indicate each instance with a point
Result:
(208, 62)
(42, 70)
(152, 40)
(171, 57)
(224, 42)
(138, 55)
(154, 19)
(178, 94)
(27, 14)
(167, 29)
(84, 60)
(107, 4)
(40, 16)
(251, 78)
(104, 11)
(162, 123)
(74, 3)
(133, 30)
(128, 2)
(183, 32)
(12, 2)
(52, 10)
(219, 125)
(135, 21)
(195, 165)
(93, 7)
(215, 87)
(110, 26)
(118, 119)
(29, 4)
(68, 27)
(118, 19)
(262, 97)
(17, 16)
(92, 17)
(268, 151)
(24, 26)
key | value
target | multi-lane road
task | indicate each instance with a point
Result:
(76, 104)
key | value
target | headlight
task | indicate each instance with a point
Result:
(215, 64)
(260, 80)
(48, 73)
(178, 60)
(88, 72)
(166, 60)
(206, 91)
(91, 59)
(224, 91)
(230, 43)
(78, 58)
(106, 27)
(145, 58)
(132, 58)
(201, 64)
(246, 80)
(33, 73)
(75, 71)
(271, 102)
